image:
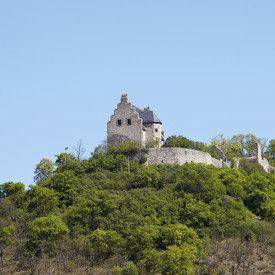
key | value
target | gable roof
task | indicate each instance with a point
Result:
(147, 116)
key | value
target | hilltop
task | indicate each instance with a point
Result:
(112, 215)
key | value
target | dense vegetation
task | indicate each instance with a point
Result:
(109, 215)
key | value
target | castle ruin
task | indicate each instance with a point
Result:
(131, 123)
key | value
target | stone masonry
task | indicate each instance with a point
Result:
(131, 123)
(179, 156)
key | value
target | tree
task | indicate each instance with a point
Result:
(229, 147)
(79, 150)
(183, 142)
(179, 259)
(246, 142)
(64, 184)
(237, 146)
(43, 200)
(270, 151)
(199, 180)
(105, 243)
(10, 188)
(6, 233)
(49, 228)
(43, 170)
(234, 181)
(179, 234)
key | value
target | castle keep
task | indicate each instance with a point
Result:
(131, 123)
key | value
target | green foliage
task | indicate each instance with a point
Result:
(246, 142)
(146, 176)
(124, 148)
(234, 182)
(105, 243)
(231, 148)
(129, 269)
(152, 143)
(237, 146)
(150, 262)
(157, 219)
(101, 161)
(43, 170)
(63, 184)
(6, 232)
(49, 228)
(248, 167)
(181, 235)
(270, 152)
(42, 200)
(183, 142)
(179, 259)
(66, 161)
(9, 188)
(199, 180)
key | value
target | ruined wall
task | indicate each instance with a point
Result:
(256, 153)
(179, 156)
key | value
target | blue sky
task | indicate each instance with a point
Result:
(204, 67)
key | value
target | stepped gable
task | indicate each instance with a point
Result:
(131, 123)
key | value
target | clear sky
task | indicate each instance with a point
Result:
(204, 67)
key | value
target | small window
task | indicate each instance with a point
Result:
(129, 121)
(119, 123)
(156, 130)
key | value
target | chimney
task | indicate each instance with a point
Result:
(146, 109)
(124, 98)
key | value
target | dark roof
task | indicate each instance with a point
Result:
(147, 116)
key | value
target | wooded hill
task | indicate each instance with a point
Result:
(109, 215)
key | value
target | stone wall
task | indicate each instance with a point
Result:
(179, 156)
(153, 132)
(118, 133)
(257, 153)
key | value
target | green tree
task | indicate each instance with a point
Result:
(199, 180)
(150, 262)
(229, 147)
(234, 182)
(64, 184)
(183, 142)
(246, 142)
(105, 243)
(65, 161)
(42, 200)
(10, 188)
(49, 228)
(179, 234)
(129, 269)
(43, 170)
(270, 152)
(179, 259)
(142, 238)
(6, 232)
